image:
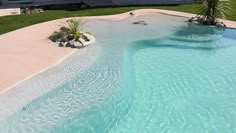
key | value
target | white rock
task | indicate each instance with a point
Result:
(220, 24)
(78, 44)
(90, 37)
(72, 42)
(195, 22)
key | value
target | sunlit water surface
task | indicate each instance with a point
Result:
(165, 77)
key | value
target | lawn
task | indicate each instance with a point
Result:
(10, 23)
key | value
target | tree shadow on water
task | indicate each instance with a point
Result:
(193, 30)
(190, 36)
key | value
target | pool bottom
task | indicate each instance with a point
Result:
(141, 82)
(182, 87)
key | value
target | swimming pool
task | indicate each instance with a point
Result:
(167, 76)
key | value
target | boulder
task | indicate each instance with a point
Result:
(193, 20)
(78, 44)
(91, 39)
(72, 42)
(68, 44)
(84, 40)
(72, 46)
(220, 25)
(61, 44)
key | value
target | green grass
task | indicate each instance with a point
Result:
(10, 23)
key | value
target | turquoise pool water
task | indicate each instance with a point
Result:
(164, 77)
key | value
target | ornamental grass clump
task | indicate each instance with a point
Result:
(71, 30)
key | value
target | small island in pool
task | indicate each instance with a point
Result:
(71, 35)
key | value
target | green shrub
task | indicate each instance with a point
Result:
(65, 29)
(53, 37)
(57, 36)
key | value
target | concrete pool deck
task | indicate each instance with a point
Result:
(27, 51)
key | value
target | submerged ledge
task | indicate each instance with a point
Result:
(40, 84)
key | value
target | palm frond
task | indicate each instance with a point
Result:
(210, 10)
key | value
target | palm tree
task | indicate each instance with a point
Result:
(210, 10)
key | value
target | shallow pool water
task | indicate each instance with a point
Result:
(164, 77)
